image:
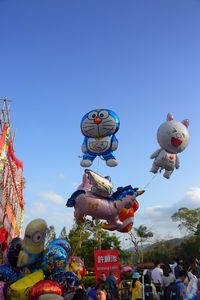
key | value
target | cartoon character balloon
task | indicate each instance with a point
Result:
(99, 127)
(76, 265)
(96, 199)
(54, 260)
(33, 243)
(173, 137)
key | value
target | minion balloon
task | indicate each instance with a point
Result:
(33, 243)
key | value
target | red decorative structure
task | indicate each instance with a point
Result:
(11, 179)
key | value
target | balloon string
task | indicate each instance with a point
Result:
(154, 176)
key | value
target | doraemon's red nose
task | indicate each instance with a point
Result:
(97, 120)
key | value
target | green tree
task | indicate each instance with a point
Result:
(88, 237)
(63, 234)
(188, 219)
(138, 236)
(50, 235)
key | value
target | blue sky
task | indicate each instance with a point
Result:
(60, 59)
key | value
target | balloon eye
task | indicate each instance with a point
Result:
(37, 237)
(174, 130)
(183, 134)
(92, 115)
(103, 114)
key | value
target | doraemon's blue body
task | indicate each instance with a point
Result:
(99, 127)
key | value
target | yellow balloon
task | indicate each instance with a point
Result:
(19, 290)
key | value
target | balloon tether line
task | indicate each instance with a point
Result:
(145, 187)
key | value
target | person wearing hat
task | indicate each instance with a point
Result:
(136, 289)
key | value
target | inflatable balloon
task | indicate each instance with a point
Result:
(33, 243)
(2, 286)
(67, 280)
(62, 243)
(55, 260)
(88, 202)
(126, 216)
(19, 290)
(76, 265)
(13, 251)
(173, 138)
(9, 274)
(99, 127)
(47, 287)
(50, 297)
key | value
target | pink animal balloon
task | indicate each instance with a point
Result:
(100, 208)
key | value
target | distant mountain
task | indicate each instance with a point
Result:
(174, 242)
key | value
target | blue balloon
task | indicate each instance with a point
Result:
(9, 274)
(99, 127)
(55, 260)
(62, 243)
(67, 279)
(13, 251)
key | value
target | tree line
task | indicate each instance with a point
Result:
(89, 236)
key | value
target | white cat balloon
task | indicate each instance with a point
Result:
(173, 137)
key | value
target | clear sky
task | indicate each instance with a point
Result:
(140, 58)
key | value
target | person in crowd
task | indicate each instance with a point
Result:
(167, 278)
(180, 267)
(91, 292)
(156, 276)
(194, 268)
(101, 292)
(180, 285)
(124, 289)
(136, 289)
(112, 285)
(80, 294)
(149, 288)
(173, 265)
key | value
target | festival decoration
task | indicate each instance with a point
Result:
(3, 238)
(47, 287)
(19, 290)
(76, 265)
(11, 178)
(33, 243)
(173, 138)
(87, 202)
(99, 127)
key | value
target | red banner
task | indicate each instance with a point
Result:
(106, 261)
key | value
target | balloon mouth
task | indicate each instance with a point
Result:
(176, 142)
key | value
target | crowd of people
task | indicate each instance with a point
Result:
(178, 281)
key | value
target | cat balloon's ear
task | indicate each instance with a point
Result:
(186, 122)
(170, 117)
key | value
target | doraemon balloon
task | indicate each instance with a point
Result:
(99, 127)
(173, 137)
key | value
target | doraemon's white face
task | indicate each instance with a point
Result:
(173, 136)
(99, 123)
